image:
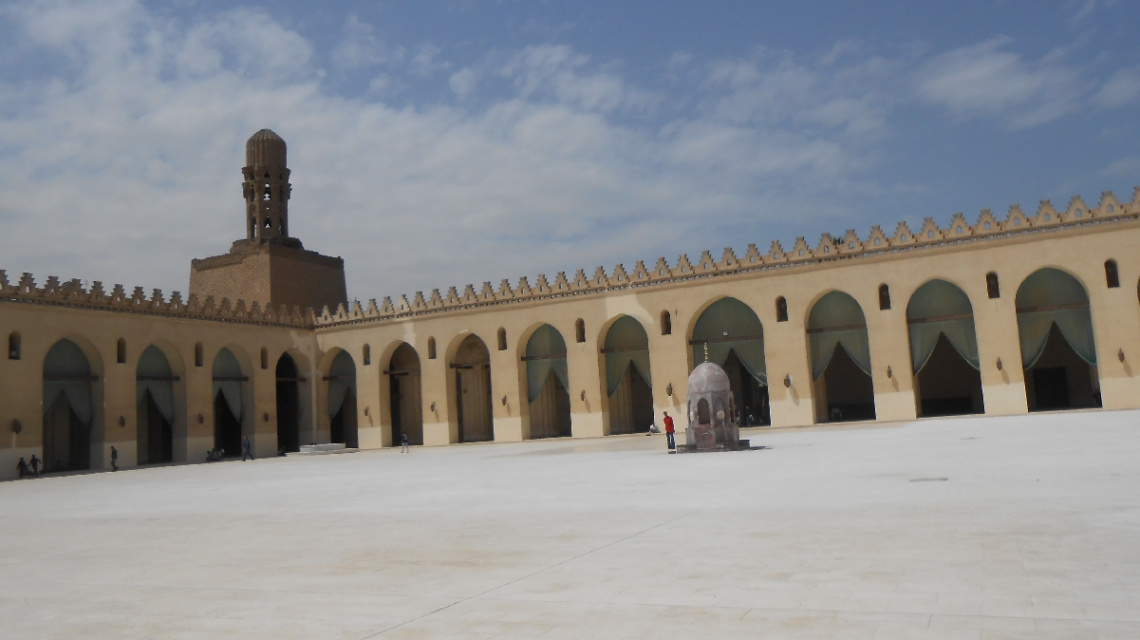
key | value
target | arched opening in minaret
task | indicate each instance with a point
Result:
(547, 383)
(229, 389)
(405, 396)
(342, 401)
(731, 335)
(288, 405)
(625, 358)
(155, 389)
(68, 406)
(1058, 351)
(840, 359)
(474, 412)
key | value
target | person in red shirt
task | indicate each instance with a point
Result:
(669, 432)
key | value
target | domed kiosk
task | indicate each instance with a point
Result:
(712, 412)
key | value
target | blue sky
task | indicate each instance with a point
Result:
(437, 144)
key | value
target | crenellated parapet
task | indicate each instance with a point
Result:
(930, 236)
(73, 294)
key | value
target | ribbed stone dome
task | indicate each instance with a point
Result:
(265, 148)
(708, 378)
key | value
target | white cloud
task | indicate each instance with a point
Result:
(360, 47)
(1121, 89)
(132, 172)
(463, 82)
(989, 81)
(122, 162)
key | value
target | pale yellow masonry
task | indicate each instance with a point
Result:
(998, 317)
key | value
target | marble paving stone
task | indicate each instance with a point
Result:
(821, 535)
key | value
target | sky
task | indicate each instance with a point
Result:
(446, 143)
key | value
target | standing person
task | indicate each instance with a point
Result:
(669, 432)
(404, 443)
(35, 466)
(114, 458)
(245, 450)
(22, 468)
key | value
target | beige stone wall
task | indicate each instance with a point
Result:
(98, 333)
(1081, 252)
(95, 322)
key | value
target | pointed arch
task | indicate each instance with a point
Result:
(154, 386)
(341, 380)
(474, 414)
(69, 407)
(1058, 348)
(625, 367)
(731, 335)
(230, 391)
(405, 395)
(548, 382)
(944, 350)
(840, 358)
(288, 403)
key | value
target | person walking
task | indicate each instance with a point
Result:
(114, 458)
(22, 468)
(404, 443)
(669, 432)
(35, 466)
(245, 449)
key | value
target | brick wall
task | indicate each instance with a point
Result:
(271, 275)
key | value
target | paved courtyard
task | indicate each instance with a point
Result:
(1023, 527)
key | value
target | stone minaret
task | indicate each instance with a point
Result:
(266, 188)
(268, 266)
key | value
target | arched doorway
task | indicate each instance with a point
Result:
(1058, 351)
(342, 401)
(840, 360)
(733, 338)
(626, 356)
(944, 350)
(547, 384)
(404, 395)
(229, 387)
(154, 385)
(288, 405)
(69, 410)
(472, 364)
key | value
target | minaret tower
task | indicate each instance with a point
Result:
(268, 266)
(266, 189)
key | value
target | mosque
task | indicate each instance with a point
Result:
(1004, 316)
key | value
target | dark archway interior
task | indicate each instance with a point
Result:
(1060, 379)
(288, 406)
(404, 395)
(227, 428)
(159, 434)
(66, 439)
(750, 396)
(948, 385)
(342, 426)
(850, 393)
